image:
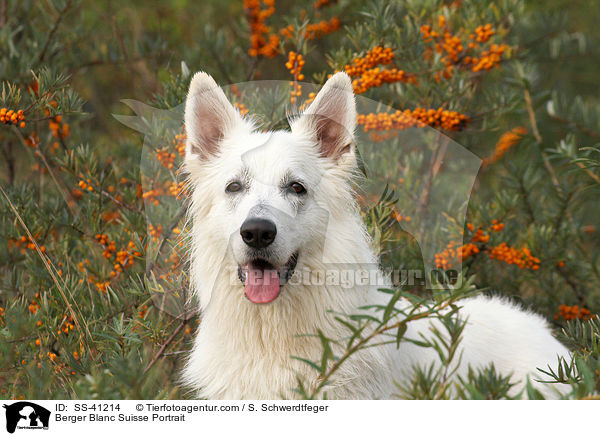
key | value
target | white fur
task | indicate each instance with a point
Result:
(242, 350)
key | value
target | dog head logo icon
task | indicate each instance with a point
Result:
(26, 415)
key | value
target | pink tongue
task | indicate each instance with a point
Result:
(262, 286)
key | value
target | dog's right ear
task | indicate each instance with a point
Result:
(209, 116)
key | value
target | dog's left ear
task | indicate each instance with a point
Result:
(331, 117)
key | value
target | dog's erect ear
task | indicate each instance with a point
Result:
(208, 116)
(331, 117)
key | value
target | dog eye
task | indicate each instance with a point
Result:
(298, 188)
(233, 187)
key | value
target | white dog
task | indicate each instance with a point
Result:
(266, 206)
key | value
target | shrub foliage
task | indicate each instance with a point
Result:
(80, 264)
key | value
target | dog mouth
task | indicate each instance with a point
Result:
(263, 281)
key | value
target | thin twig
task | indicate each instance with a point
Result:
(50, 117)
(525, 196)
(165, 345)
(588, 172)
(253, 68)
(120, 203)
(532, 119)
(540, 141)
(569, 281)
(61, 14)
(120, 38)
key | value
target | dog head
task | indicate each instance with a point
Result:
(266, 196)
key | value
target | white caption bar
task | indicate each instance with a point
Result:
(290, 417)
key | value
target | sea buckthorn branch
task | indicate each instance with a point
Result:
(294, 64)
(376, 56)
(40, 101)
(58, 281)
(241, 107)
(33, 142)
(322, 28)
(166, 157)
(170, 188)
(59, 129)
(9, 116)
(419, 117)
(366, 74)
(46, 100)
(90, 186)
(311, 30)
(121, 260)
(521, 257)
(469, 52)
(376, 77)
(262, 42)
(166, 234)
(573, 312)
(179, 142)
(24, 243)
(479, 243)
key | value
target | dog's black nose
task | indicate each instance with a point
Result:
(258, 232)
